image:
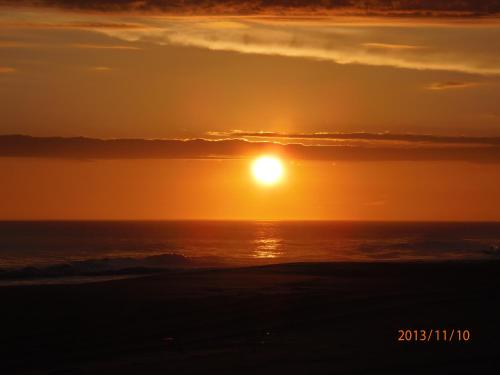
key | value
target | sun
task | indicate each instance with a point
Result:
(267, 170)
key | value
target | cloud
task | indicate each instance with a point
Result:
(88, 148)
(391, 46)
(15, 44)
(372, 137)
(223, 25)
(100, 68)
(448, 85)
(405, 44)
(453, 49)
(427, 8)
(104, 46)
(7, 70)
(93, 26)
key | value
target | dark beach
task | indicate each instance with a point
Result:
(308, 318)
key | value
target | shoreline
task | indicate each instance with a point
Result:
(289, 318)
(39, 276)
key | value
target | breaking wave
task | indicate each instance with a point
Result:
(112, 266)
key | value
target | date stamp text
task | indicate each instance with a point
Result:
(434, 335)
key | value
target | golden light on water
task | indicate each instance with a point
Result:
(267, 248)
(267, 170)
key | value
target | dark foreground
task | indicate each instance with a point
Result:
(285, 319)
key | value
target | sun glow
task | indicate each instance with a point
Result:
(267, 170)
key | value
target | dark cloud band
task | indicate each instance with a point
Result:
(281, 7)
(88, 148)
(414, 138)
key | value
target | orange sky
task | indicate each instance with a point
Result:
(211, 189)
(132, 75)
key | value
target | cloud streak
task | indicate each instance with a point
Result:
(427, 8)
(389, 43)
(76, 25)
(100, 69)
(88, 148)
(450, 85)
(104, 46)
(390, 46)
(452, 49)
(7, 70)
(373, 137)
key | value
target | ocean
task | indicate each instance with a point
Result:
(97, 248)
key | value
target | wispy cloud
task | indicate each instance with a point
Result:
(404, 44)
(100, 69)
(6, 70)
(104, 46)
(449, 49)
(362, 136)
(15, 44)
(391, 46)
(88, 148)
(450, 85)
(427, 8)
(76, 25)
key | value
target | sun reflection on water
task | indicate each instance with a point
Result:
(267, 244)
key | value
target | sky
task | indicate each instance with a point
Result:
(379, 110)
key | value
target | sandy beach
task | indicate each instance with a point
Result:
(319, 318)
